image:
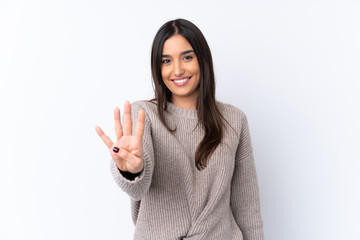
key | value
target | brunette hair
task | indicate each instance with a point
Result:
(209, 116)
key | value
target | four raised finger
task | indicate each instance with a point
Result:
(139, 131)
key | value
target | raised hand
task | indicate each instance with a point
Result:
(127, 151)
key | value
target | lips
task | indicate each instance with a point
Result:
(181, 81)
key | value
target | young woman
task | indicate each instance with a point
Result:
(187, 166)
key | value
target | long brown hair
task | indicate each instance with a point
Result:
(209, 116)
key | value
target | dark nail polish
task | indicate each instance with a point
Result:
(115, 149)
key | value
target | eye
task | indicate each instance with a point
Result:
(188, 57)
(165, 61)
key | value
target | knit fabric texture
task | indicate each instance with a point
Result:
(171, 199)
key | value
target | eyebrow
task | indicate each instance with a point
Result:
(182, 53)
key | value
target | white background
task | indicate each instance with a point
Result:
(292, 66)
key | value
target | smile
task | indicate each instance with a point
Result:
(181, 82)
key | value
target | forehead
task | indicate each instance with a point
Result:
(176, 44)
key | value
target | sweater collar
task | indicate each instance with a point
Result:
(181, 112)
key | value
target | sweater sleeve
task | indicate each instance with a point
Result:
(137, 185)
(245, 197)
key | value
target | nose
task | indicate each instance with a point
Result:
(178, 69)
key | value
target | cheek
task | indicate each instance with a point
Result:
(195, 68)
(164, 74)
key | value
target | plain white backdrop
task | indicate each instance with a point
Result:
(292, 66)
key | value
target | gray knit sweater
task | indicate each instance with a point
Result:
(173, 200)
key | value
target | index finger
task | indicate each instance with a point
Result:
(105, 138)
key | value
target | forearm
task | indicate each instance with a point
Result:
(245, 200)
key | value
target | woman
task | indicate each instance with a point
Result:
(188, 165)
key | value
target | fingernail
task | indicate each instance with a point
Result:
(115, 149)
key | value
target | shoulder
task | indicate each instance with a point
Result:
(146, 105)
(230, 111)
(234, 117)
(149, 107)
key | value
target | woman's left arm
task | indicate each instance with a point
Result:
(245, 196)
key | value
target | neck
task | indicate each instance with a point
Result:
(184, 102)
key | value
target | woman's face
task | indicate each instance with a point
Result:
(180, 71)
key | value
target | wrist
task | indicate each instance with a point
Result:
(130, 175)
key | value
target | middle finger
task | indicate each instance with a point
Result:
(117, 123)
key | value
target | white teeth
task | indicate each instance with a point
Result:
(182, 80)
